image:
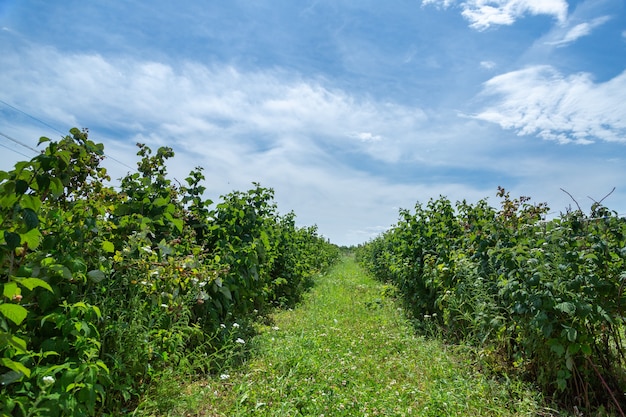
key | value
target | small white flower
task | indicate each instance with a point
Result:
(164, 305)
(275, 328)
(223, 326)
(48, 380)
(202, 284)
(224, 376)
(240, 341)
(235, 325)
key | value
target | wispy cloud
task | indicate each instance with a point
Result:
(217, 101)
(540, 101)
(439, 3)
(483, 14)
(578, 31)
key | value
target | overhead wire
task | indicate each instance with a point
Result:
(32, 117)
(13, 150)
(19, 142)
(51, 127)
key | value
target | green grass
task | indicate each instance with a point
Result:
(347, 350)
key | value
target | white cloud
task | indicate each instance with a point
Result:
(439, 3)
(217, 102)
(487, 64)
(485, 13)
(540, 101)
(367, 137)
(272, 127)
(583, 29)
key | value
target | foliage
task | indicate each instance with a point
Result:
(104, 290)
(347, 350)
(544, 298)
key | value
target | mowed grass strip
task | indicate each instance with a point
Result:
(347, 350)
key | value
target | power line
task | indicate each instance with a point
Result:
(13, 150)
(32, 117)
(53, 128)
(19, 142)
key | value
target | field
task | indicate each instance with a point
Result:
(148, 298)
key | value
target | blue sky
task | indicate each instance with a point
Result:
(350, 110)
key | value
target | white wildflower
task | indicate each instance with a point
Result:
(223, 326)
(224, 376)
(235, 325)
(240, 341)
(48, 380)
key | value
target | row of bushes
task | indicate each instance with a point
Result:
(544, 298)
(103, 289)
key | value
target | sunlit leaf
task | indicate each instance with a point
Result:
(32, 283)
(108, 246)
(14, 312)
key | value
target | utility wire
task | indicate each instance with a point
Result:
(13, 150)
(19, 142)
(53, 128)
(32, 117)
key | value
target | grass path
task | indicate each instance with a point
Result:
(347, 350)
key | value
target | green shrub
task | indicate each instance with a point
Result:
(542, 297)
(104, 290)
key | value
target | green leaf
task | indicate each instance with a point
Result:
(108, 246)
(566, 307)
(15, 366)
(96, 275)
(14, 312)
(42, 140)
(558, 349)
(31, 220)
(10, 377)
(161, 201)
(21, 187)
(30, 202)
(585, 349)
(103, 366)
(32, 283)
(178, 224)
(32, 238)
(570, 333)
(13, 240)
(56, 187)
(7, 339)
(226, 292)
(96, 310)
(10, 290)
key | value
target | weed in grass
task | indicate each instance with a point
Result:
(347, 350)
